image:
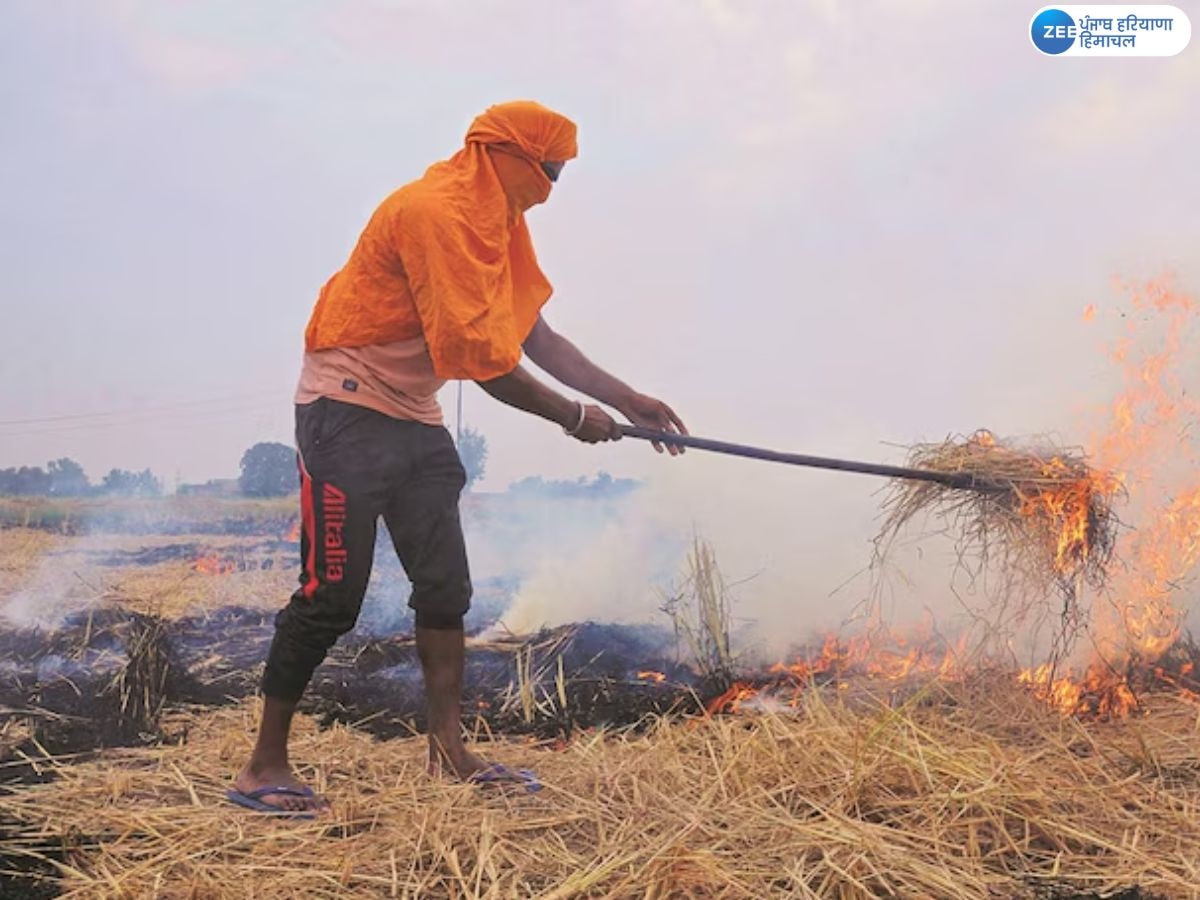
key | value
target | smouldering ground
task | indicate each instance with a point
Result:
(73, 573)
(971, 792)
(21, 551)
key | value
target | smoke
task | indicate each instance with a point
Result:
(61, 584)
(790, 544)
(793, 546)
(590, 560)
(545, 555)
(796, 544)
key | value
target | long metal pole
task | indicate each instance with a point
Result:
(962, 480)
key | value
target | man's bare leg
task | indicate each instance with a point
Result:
(268, 765)
(442, 652)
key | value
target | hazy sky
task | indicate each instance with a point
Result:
(817, 225)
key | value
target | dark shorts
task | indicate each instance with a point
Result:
(357, 465)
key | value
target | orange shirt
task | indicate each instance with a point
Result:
(446, 259)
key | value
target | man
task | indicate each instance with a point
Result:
(443, 284)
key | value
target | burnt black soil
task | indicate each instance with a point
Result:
(104, 678)
(1055, 892)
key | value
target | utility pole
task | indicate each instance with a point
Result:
(458, 422)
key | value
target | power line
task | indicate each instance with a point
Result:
(170, 416)
(186, 404)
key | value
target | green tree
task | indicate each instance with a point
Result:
(472, 450)
(25, 480)
(131, 484)
(67, 478)
(268, 470)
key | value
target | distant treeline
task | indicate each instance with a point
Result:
(603, 485)
(66, 478)
(268, 470)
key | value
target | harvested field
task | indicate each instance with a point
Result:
(172, 515)
(970, 792)
(122, 726)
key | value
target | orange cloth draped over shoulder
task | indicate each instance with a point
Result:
(447, 258)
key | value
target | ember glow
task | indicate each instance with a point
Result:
(882, 657)
(213, 564)
(650, 675)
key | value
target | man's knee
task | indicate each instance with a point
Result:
(439, 620)
(313, 623)
(304, 632)
(441, 605)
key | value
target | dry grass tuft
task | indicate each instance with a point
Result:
(139, 687)
(973, 791)
(699, 609)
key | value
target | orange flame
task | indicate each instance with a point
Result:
(1148, 441)
(884, 657)
(1066, 508)
(1099, 692)
(212, 564)
(651, 675)
(1148, 445)
(732, 699)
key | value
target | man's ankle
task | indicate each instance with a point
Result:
(267, 763)
(449, 746)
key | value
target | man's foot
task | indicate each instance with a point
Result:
(500, 775)
(473, 769)
(458, 763)
(254, 778)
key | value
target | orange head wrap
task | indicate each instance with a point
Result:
(470, 281)
(540, 133)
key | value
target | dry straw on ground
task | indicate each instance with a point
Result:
(970, 791)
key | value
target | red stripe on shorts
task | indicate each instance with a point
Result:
(308, 518)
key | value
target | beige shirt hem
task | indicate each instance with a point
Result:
(395, 379)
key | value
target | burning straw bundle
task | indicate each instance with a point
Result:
(1039, 516)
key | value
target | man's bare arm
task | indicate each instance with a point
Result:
(567, 363)
(522, 391)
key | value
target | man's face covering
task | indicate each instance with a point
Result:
(525, 181)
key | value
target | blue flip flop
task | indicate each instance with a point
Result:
(500, 774)
(253, 800)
